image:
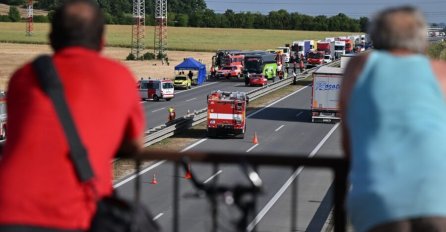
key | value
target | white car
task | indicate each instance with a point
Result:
(327, 59)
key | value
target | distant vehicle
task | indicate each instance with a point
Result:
(156, 89)
(3, 116)
(326, 46)
(339, 48)
(286, 54)
(301, 48)
(325, 98)
(182, 82)
(230, 71)
(257, 79)
(227, 114)
(315, 58)
(327, 59)
(265, 64)
(218, 60)
(348, 45)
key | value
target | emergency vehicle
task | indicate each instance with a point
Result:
(3, 116)
(156, 89)
(227, 113)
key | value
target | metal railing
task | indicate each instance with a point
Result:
(339, 167)
(168, 129)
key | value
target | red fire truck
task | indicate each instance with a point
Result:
(227, 113)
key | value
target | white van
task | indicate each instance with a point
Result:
(156, 89)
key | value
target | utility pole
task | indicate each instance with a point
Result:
(29, 20)
(160, 41)
(138, 28)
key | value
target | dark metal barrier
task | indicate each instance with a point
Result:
(339, 167)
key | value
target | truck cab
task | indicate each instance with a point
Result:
(226, 114)
(156, 89)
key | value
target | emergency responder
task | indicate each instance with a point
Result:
(301, 66)
(190, 75)
(172, 114)
(287, 67)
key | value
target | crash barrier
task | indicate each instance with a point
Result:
(249, 164)
(169, 129)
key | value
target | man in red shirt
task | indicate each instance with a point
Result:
(39, 189)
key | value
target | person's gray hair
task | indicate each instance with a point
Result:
(399, 28)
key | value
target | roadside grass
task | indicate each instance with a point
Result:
(178, 142)
(179, 38)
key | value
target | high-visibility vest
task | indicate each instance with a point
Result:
(171, 110)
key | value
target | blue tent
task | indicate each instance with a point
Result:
(192, 64)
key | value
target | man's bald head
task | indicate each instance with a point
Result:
(77, 23)
(399, 28)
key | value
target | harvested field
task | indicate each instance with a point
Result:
(12, 56)
(181, 38)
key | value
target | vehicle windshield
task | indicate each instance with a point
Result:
(301, 48)
(167, 85)
(180, 78)
(339, 47)
(226, 68)
(327, 57)
(253, 66)
(315, 55)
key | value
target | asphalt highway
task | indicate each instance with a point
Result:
(184, 100)
(284, 127)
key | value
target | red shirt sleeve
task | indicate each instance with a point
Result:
(135, 123)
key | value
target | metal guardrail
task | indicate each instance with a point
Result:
(168, 129)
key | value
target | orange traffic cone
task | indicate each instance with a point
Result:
(154, 181)
(255, 140)
(188, 175)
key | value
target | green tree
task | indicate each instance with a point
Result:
(182, 20)
(14, 14)
(363, 23)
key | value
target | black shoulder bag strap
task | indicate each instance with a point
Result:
(50, 83)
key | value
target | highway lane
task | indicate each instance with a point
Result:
(193, 99)
(282, 128)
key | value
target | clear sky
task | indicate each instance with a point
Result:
(434, 10)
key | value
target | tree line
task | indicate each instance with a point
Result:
(194, 13)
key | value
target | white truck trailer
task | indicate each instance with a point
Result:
(325, 97)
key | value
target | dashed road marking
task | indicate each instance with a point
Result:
(250, 149)
(153, 111)
(191, 99)
(280, 127)
(213, 176)
(158, 216)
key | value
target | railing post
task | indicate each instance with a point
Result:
(294, 198)
(214, 202)
(176, 204)
(340, 186)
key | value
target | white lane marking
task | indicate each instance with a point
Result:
(250, 149)
(316, 149)
(158, 216)
(289, 95)
(158, 109)
(193, 145)
(197, 87)
(154, 166)
(140, 173)
(297, 115)
(198, 142)
(191, 99)
(213, 176)
(290, 180)
(280, 127)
